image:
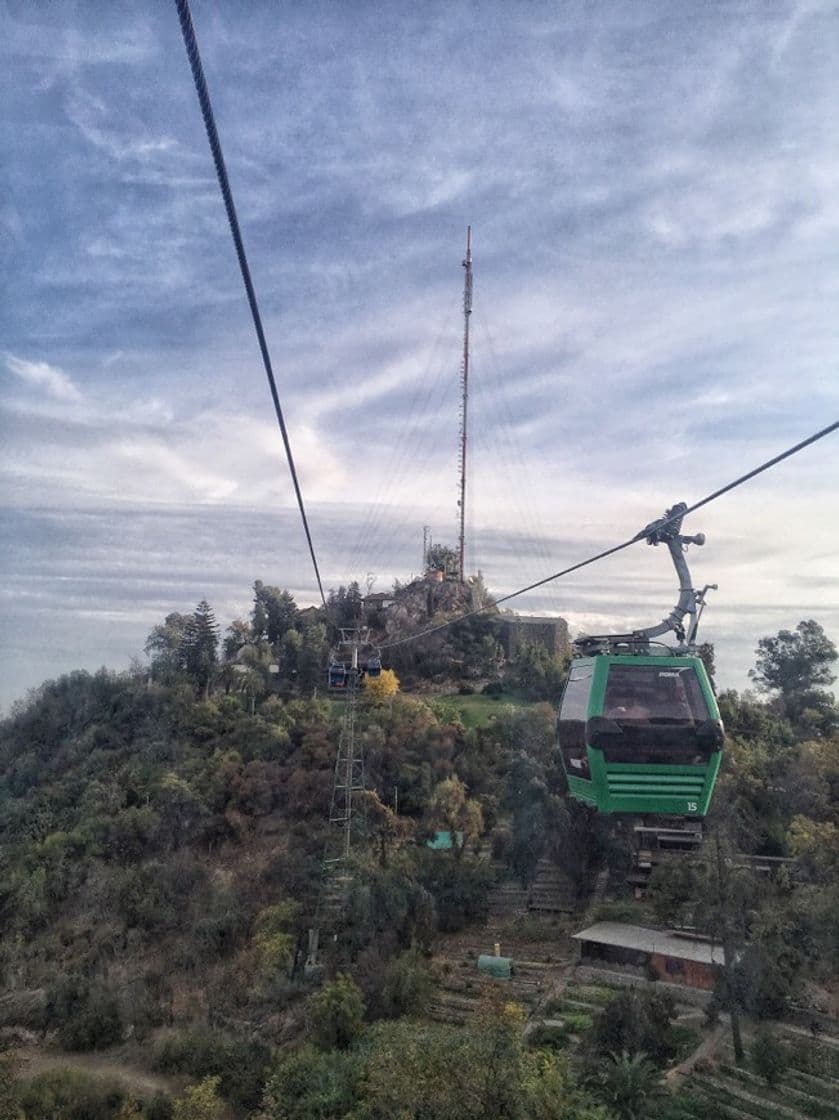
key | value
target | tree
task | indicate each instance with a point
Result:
(200, 645)
(186, 643)
(275, 935)
(527, 798)
(441, 1072)
(796, 665)
(725, 896)
(451, 810)
(274, 612)
(381, 688)
(769, 1056)
(549, 1091)
(407, 985)
(460, 889)
(795, 661)
(85, 1013)
(311, 658)
(289, 654)
(200, 1102)
(672, 890)
(636, 1022)
(165, 643)
(540, 674)
(383, 826)
(337, 1014)
(816, 843)
(312, 1084)
(66, 1093)
(238, 634)
(388, 908)
(345, 607)
(440, 558)
(473, 644)
(129, 1110)
(627, 1083)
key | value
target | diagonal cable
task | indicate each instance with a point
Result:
(640, 536)
(191, 44)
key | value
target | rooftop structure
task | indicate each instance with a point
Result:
(675, 958)
(652, 941)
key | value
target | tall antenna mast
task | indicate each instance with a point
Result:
(467, 311)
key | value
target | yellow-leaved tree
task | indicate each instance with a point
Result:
(381, 688)
(199, 1102)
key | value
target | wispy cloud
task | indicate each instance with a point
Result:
(653, 190)
(41, 374)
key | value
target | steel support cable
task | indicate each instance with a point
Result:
(625, 544)
(191, 44)
(529, 520)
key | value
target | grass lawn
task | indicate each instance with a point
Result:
(478, 710)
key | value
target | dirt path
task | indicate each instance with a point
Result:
(141, 1082)
(706, 1049)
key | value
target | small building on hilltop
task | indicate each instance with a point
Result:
(675, 958)
(536, 630)
(379, 600)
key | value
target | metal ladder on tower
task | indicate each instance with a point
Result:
(347, 783)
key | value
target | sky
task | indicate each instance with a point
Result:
(653, 190)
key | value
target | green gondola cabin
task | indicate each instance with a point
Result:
(640, 734)
(640, 730)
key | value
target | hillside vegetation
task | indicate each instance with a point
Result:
(162, 836)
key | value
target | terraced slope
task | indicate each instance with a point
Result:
(807, 1090)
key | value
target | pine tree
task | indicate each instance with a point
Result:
(200, 645)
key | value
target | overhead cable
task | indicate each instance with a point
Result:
(624, 544)
(191, 44)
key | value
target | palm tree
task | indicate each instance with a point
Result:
(628, 1083)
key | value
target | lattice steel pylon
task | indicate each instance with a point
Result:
(349, 776)
(347, 783)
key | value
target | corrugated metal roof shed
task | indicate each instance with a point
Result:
(651, 941)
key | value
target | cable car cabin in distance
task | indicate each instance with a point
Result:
(339, 674)
(351, 660)
(640, 731)
(641, 734)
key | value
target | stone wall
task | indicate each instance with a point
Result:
(550, 633)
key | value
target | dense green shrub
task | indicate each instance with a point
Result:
(69, 1094)
(548, 1037)
(769, 1056)
(337, 1014)
(407, 985)
(158, 1108)
(637, 1021)
(223, 925)
(312, 1084)
(241, 1063)
(460, 889)
(86, 1014)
